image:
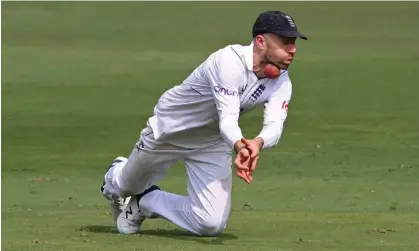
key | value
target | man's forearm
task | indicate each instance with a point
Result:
(230, 130)
(271, 134)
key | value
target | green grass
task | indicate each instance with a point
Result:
(79, 81)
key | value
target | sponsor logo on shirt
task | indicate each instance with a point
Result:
(285, 105)
(225, 91)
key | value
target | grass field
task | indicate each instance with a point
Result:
(80, 79)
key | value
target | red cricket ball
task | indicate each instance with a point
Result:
(271, 71)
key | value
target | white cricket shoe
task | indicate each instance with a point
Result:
(116, 203)
(131, 218)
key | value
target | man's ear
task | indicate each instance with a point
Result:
(260, 41)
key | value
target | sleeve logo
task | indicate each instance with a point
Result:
(285, 105)
(225, 91)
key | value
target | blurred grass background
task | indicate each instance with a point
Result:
(79, 80)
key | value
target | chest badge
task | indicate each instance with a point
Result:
(257, 93)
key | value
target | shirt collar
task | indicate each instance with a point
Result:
(248, 56)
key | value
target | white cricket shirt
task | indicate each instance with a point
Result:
(205, 108)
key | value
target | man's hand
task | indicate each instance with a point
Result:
(243, 164)
(254, 146)
(247, 157)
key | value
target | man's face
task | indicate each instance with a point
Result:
(276, 49)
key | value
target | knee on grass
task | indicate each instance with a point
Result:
(211, 226)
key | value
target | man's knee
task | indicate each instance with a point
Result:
(212, 225)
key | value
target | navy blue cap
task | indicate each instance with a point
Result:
(278, 23)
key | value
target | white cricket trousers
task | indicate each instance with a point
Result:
(206, 208)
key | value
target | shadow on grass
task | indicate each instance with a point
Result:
(177, 234)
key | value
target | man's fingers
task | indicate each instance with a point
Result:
(243, 160)
(249, 175)
(245, 154)
(247, 142)
(250, 145)
(244, 164)
(240, 165)
(254, 163)
(254, 154)
(244, 141)
(244, 176)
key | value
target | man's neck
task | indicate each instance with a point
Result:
(258, 65)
